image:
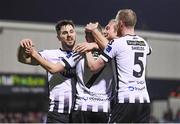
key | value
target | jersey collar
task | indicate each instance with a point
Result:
(68, 51)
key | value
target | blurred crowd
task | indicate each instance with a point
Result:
(40, 117)
(25, 117)
(167, 117)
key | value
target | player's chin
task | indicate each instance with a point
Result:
(70, 44)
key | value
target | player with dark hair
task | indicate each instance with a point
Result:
(62, 84)
(130, 53)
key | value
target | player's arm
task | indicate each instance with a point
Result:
(99, 38)
(25, 58)
(94, 64)
(49, 66)
(22, 56)
(85, 46)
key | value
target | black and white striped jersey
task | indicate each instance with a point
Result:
(93, 96)
(130, 53)
(60, 84)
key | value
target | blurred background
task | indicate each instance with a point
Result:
(23, 88)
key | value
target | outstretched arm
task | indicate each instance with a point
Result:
(49, 66)
(22, 56)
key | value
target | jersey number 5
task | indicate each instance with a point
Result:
(140, 63)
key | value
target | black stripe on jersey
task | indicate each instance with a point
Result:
(93, 78)
(116, 79)
(66, 105)
(106, 56)
(145, 100)
(113, 99)
(89, 107)
(73, 85)
(126, 100)
(47, 86)
(56, 106)
(67, 65)
(100, 108)
(79, 107)
(150, 50)
(137, 100)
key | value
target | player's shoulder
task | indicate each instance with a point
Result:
(50, 52)
(135, 38)
(118, 41)
(114, 41)
(121, 39)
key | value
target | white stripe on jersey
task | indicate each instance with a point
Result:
(130, 54)
(60, 87)
(105, 107)
(84, 107)
(51, 106)
(95, 108)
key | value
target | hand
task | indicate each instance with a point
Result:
(85, 47)
(91, 26)
(31, 51)
(25, 43)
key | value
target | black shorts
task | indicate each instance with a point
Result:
(55, 117)
(130, 113)
(89, 117)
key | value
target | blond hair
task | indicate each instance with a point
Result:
(127, 16)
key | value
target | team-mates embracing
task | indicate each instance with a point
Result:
(107, 70)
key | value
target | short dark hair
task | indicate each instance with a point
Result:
(90, 35)
(63, 23)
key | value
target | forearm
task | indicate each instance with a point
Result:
(94, 45)
(90, 60)
(92, 63)
(49, 66)
(100, 39)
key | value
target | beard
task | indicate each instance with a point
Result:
(69, 44)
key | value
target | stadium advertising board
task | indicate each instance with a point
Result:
(22, 83)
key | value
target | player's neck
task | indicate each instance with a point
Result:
(66, 48)
(128, 31)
